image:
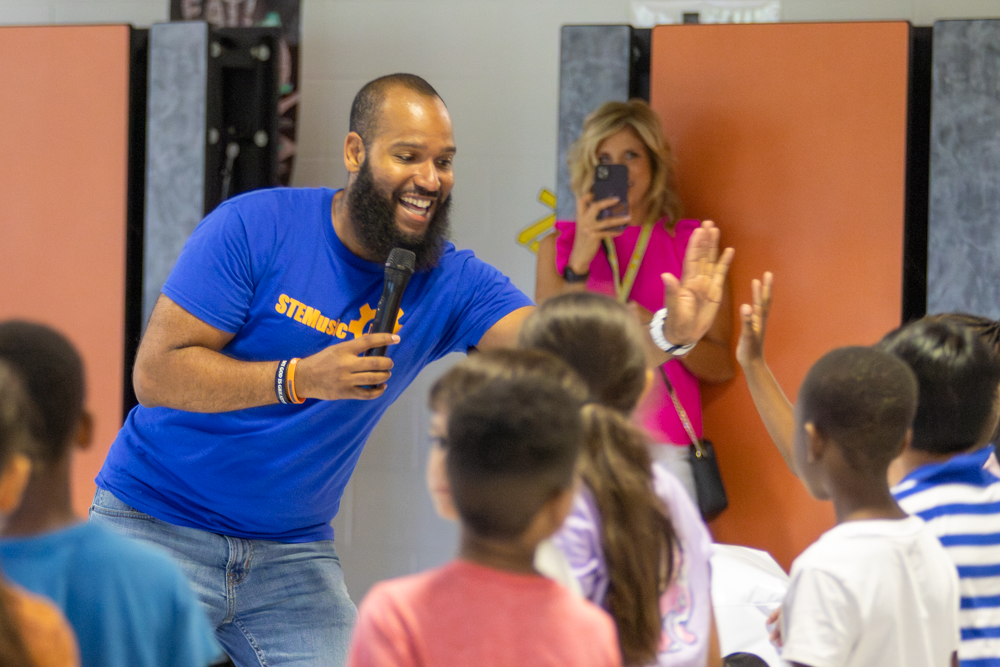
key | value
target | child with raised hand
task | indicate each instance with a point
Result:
(940, 475)
(32, 631)
(877, 589)
(509, 460)
(634, 539)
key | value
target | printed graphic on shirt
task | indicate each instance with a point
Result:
(315, 319)
(675, 609)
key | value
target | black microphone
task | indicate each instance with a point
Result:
(398, 269)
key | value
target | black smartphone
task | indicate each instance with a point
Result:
(611, 180)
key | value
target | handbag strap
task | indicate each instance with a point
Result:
(682, 413)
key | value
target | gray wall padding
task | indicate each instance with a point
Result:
(963, 254)
(594, 66)
(175, 148)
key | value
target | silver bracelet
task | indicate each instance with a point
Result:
(656, 331)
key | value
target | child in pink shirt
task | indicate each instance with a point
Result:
(509, 459)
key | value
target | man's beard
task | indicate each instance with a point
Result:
(373, 215)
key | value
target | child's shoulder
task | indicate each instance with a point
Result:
(481, 591)
(862, 548)
(881, 591)
(428, 618)
(45, 631)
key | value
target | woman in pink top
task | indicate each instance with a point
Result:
(581, 255)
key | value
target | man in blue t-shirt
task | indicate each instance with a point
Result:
(255, 400)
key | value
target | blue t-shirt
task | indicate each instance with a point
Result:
(129, 604)
(268, 267)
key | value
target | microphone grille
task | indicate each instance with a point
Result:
(400, 258)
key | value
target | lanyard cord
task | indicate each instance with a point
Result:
(624, 287)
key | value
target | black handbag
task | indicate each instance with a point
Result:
(712, 498)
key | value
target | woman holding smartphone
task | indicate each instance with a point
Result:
(624, 254)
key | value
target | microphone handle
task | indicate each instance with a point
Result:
(388, 307)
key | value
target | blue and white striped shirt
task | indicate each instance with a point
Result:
(960, 502)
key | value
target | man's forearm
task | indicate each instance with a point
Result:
(197, 379)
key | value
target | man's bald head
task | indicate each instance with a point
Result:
(367, 106)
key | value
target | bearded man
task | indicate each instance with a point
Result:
(254, 398)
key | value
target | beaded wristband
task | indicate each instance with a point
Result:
(279, 382)
(292, 396)
(656, 331)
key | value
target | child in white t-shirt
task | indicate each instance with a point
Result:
(876, 590)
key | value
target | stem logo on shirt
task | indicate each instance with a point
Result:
(314, 319)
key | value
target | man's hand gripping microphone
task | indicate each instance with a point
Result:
(398, 269)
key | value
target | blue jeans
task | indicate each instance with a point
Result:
(270, 603)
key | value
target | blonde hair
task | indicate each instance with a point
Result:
(612, 117)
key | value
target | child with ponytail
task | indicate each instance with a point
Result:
(634, 539)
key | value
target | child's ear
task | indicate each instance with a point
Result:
(83, 436)
(815, 443)
(904, 444)
(13, 480)
(554, 511)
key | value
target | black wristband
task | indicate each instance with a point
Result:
(571, 276)
(279, 382)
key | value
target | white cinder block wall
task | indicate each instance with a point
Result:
(495, 63)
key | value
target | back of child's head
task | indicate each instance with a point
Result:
(503, 363)
(599, 338)
(19, 419)
(52, 373)
(958, 375)
(18, 422)
(513, 444)
(603, 342)
(864, 400)
(988, 330)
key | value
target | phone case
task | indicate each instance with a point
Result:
(611, 180)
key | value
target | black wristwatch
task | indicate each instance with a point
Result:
(571, 276)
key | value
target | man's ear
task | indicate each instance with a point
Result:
(354, 152)
(83, 436)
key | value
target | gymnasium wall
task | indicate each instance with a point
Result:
(63, 203)
(497, 65)
(792, 137)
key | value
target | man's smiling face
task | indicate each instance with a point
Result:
(400, 194)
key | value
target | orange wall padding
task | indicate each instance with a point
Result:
(64, 137)
(792, 137)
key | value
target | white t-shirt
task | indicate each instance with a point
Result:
(878, 593)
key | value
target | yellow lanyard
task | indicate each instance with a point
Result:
(624, 288)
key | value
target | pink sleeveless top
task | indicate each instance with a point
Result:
(665, 254)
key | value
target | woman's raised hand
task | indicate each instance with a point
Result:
(590, 231)
(693, 301)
